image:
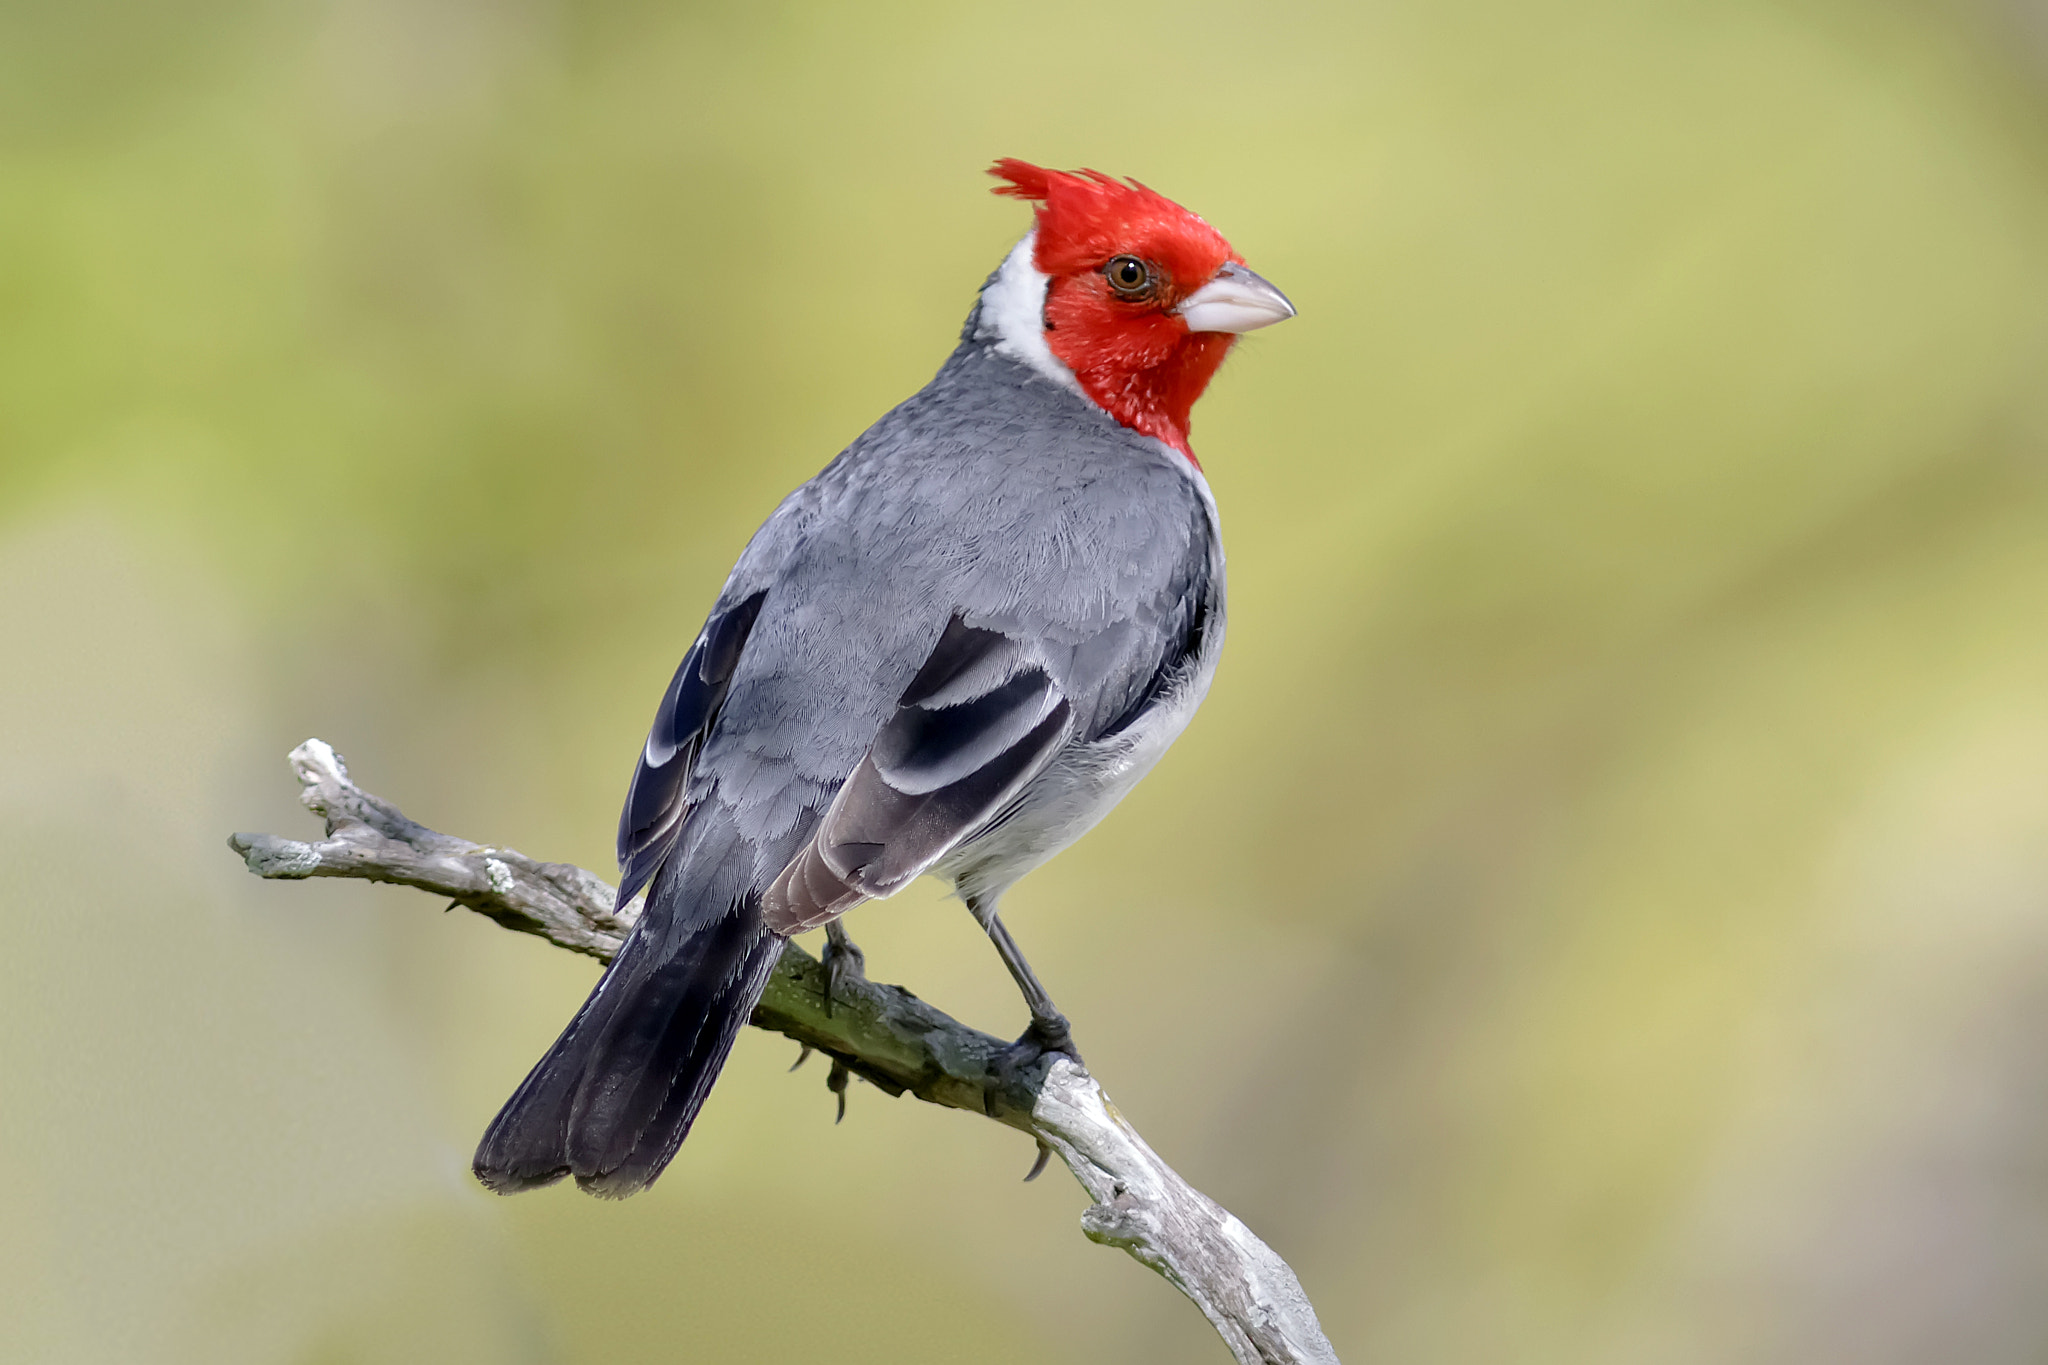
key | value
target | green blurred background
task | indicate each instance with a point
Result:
(1600, 916)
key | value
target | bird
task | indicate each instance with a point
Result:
(950, 652)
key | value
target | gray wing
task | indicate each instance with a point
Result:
(656, 802)
(979, 720)
(992, 572)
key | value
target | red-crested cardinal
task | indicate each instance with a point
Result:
(950, 652)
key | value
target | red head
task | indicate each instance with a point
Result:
(1143, 299)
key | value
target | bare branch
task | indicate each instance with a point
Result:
(882, 1033)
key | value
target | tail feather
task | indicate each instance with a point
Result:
(614, 1097)
(658, 1062)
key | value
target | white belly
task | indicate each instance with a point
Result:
(1074, 792)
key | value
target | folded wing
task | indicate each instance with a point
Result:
(979, 720)
(655, 804)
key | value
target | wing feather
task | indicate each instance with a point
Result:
(977, 722)
(655, 803)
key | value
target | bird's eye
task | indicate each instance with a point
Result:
(1130, 277)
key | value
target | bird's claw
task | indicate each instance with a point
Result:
(836, 1083)
(844, 962)
(1045, 1035)
(835, 1080)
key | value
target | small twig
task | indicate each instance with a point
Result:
(883, 1034)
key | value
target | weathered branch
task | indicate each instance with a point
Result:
(882, 1033)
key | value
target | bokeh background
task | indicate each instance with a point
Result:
(1600, 917)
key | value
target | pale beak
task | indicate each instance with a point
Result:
(1235, 300)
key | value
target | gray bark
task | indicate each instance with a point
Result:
(882, 1033)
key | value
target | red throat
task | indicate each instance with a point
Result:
(1132, 356)
(1146, 373)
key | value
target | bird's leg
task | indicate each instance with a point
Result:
(1048, 1031)
(844, 961)
(1048, 1025)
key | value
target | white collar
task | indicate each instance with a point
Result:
(1012, 317)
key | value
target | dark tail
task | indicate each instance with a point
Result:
(615, 1096)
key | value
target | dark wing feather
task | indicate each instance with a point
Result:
(975, 724)
(1177, 665)
(655, 803)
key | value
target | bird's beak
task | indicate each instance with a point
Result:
(1235, 300)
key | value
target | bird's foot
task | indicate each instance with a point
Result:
(1046, 1035)
(835, 1080)
(844, 963)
